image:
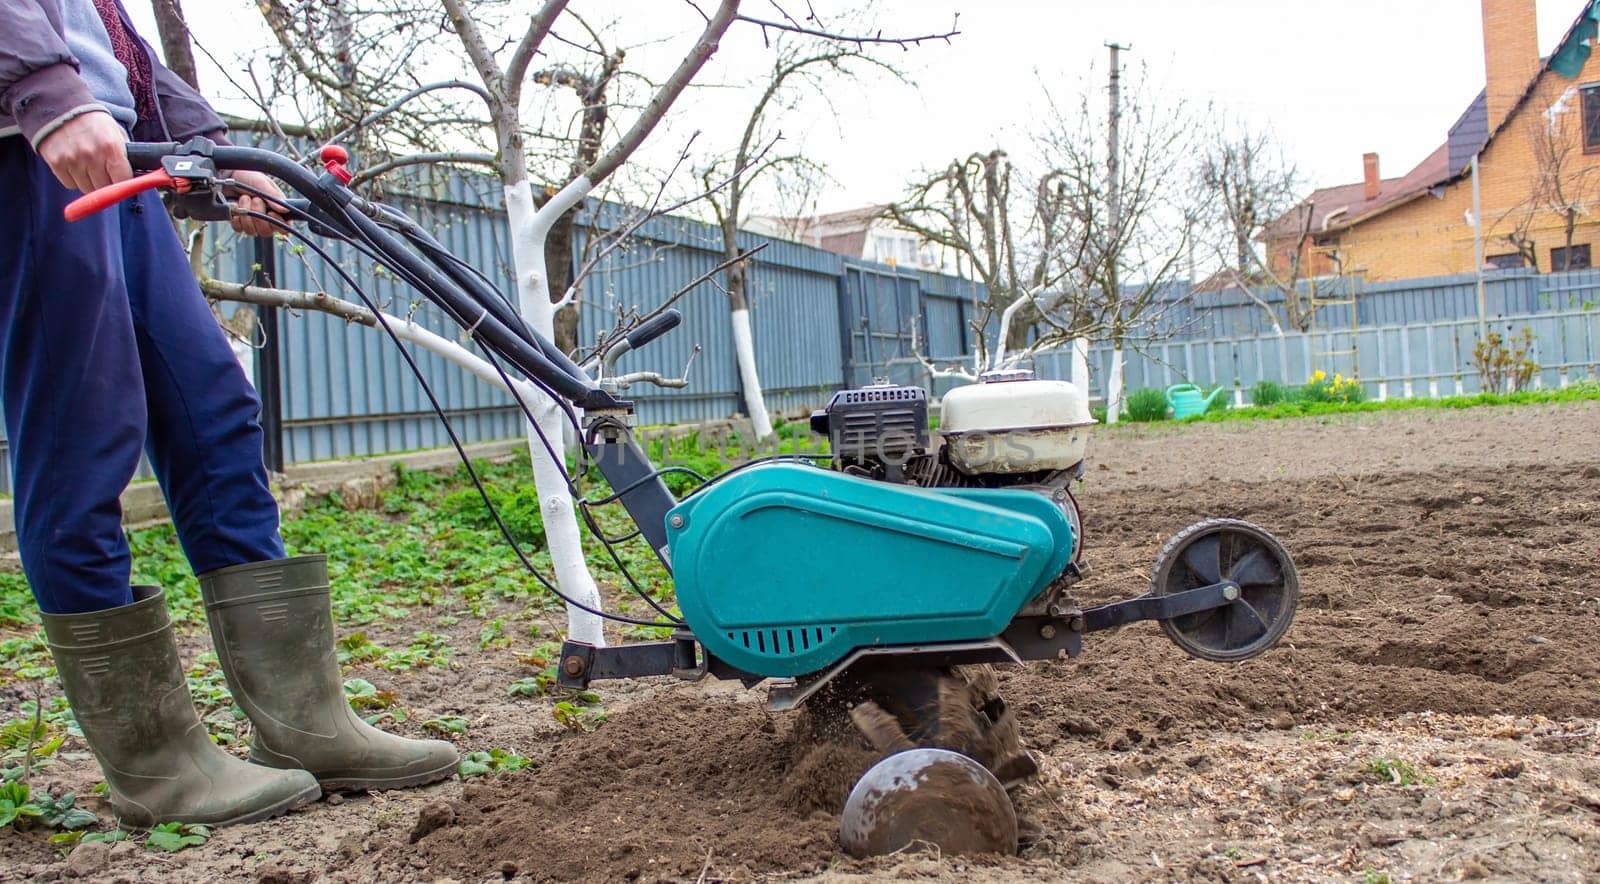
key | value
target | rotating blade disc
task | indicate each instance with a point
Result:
(930, 796)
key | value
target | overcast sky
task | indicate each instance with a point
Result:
(1332, 80)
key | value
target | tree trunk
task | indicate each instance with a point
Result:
(744, 348)
(1021, 324)
(175, 46)
(1080, 364)
(558, 260)
(1114, 385)
(565, 543)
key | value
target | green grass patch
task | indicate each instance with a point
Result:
(1308, 408)
(1147, 404)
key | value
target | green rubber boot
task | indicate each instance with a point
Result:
(274, 635)
(121, 674)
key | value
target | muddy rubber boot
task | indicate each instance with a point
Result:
(121, 674)
(274, 635)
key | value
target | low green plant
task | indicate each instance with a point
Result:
(493, 635)
(1271, 393)
(65, 841)
(1394, 771)
(371, 703)
(494, 761)
(19, 805)
(357, 648)
(173, 837)
(1338, 388)
(30, 739)
(1147, 404)
(533, 685)
(1503, 363)
(518, 507)
(581, 711)
(446, 724)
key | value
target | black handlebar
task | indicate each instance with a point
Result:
(335, 208)
(653, 328)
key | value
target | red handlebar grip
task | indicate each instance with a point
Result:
(105, 197)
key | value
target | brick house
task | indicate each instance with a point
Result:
(1536, 131)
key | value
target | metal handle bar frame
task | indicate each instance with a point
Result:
(449, 283)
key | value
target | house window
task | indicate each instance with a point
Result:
(1508, 261)
(1591, 117)
(1570, 258)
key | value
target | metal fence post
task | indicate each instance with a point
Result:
(269, 378)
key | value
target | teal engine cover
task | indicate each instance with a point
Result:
(784, 569)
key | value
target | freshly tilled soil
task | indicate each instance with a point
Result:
(1432, 712)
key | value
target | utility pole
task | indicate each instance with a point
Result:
(1477, 251)
(1113, 157)
(1114, 186)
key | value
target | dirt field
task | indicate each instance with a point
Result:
(1434, 713)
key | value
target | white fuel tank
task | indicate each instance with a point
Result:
(1009, 422)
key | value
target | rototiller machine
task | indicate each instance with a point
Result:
(877, 580)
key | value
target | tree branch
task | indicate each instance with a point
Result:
(417, 159)
(538, 28)
(794, 27)
(692, 61)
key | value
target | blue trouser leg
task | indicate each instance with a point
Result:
(74, 397)
(205, 434)
(105, 341)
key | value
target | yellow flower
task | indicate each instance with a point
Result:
(1318, 375)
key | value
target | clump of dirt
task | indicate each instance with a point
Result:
(828, 755)
(664, 790)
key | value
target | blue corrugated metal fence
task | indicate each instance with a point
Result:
(822, 321)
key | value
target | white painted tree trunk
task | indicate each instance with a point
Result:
(529, 229)
(744, 349)
(1080, 363)
(246, 355)
(1114, 387)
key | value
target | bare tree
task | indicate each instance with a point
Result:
(798, 66)
(1247, 202)
(1016, 242)
(1133, 208)
(1564, 182)
(590, 85)
(1072, 252)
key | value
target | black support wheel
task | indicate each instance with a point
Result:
(1236, 552)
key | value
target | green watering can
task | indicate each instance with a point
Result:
(1186, 401)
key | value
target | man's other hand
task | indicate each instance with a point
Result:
(250, 202)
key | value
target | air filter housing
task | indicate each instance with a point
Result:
(884, 423)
